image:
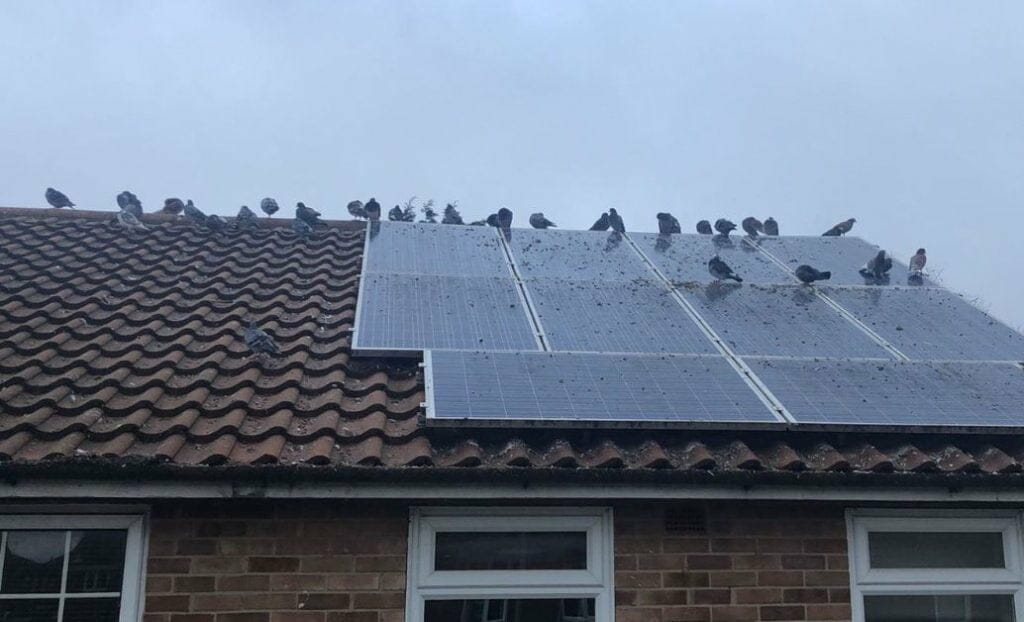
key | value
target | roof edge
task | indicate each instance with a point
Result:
(153, 217)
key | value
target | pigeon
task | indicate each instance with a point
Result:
(721, 270)
(918, 261)
(269, 206)
(58, 199)
(877, 267)
(372, 209)
(192, 213)
(216, 223)
(771, 227)
(752, 226)
(616, 221)
(307, 215)
(451, 216)
(356, 209)
(724, 226)
(128, 201)
(840, 229)
(602, 223)
(395, 214)
(246, 218)
(667, 223)
(492, 221)
(173, 206)
(127, 219)
(704, 227)
(259, 341)
(807, 274)
(301, 228)
(538, 221)
(505, 218)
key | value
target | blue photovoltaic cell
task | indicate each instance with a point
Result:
(684, 258)
(928, 323)
(896, 393)
(843, 256)
(781, 320)
(579, 255)
(620, 316)
(413, 312)
(595, 387)
(442, 250)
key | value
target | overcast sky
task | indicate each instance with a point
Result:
(906, 115)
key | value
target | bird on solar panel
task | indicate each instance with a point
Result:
(877, 268)
(808, 275)
(173, 206)
(704, 227)
(301, 228)
(721, 270)
(752, 226)
(615, 221)
(668, 224)
(259, 341)
(539, 221)
(269, 206)
(246, 218)
(451, 215)
(724, 226)
(355, 208)
(372, 209)
(771, 227)
(601, 224)
(58, 199)
(918, 261)
(840, 229)
(128, 220)
(395, 214)
(129, 202)
(307, 215)
(505, 218)
(193, 214)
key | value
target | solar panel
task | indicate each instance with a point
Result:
(783, 320)
(684, 258)
(620, 316)
(843, 256)
(443, 250)
(895, 393)
(595, 387)
(415, 312)
(580, 255)
(929, 323)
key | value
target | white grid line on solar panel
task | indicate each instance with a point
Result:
(842, 256)
(778, 320)
(619, 316)
(440, 250)
(918, 393)
(595, 387)
(930, 323)
(683, 258)
(417, 312)
(578, 255)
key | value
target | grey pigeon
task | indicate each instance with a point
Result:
(128, 201)
(807, 274)
(704, 227)
(173, 206)
(918, 261)
(724, 226)
(667, 223)
(307, 215)
(877, 267)
(246, 218)
(721, 270)
(193, 214)
(128, 220)
(395, 214)
(505, 218)
(492, 221)
(372, 209)
(259, 341)
(771, 227)
(752, 226)
(216, 223)
(840, 229)
(602, 223)
(301, 228)
(615, 221)
(451, 215)
(356, 209)
(269, 206)
(58, 199)
(538, 221)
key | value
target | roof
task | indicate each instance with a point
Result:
(125, 348)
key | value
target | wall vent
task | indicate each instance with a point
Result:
(686, 521)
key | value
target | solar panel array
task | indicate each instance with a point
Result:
(581, 325)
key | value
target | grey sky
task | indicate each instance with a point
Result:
(905, 115)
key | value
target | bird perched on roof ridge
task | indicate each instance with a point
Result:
(721, 270)
(372, 209)
(704, 227)
(356, 209)
(667, 223)
(451, 215)
(128, 201)
(307, 215)
(615, 221)
(602, 223)
(193, 213)
(259, 341)
(215, 223)
(269, 206)
(840, 228)
(395, 214)
(877, 267)
(58, 199)
(725, 226)
(808, 274)
(539, 221)
(918, 261)
(752, 226)
(771, 227)
(246, 218)
(128, 220)
(173, 206)
(504, 218)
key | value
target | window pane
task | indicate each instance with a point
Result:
(28, 610)
(97, 561)
(961, 608)
(33, 562)
(902, 549)
(91, 609)
(539, 550)
(511, 610)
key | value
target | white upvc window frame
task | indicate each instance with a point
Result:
(866, 581)
(424, 583)
(132, 581)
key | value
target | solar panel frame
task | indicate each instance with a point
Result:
(437, 250)
(683, 258)
(575, 255)
(845, 256)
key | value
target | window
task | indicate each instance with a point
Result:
(935, 566)
(70, 568)
(502, 565)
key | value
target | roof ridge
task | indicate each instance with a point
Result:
(153, 217)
